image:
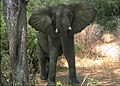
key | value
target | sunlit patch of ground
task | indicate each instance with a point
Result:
(101, 71)
(110, 47)
(104, 71)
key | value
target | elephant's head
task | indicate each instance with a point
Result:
(59, 19)
(63, 20)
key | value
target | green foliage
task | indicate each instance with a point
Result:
(94, 82)
(4, 48)
(59, 83)
(107, 11)
(49, 2)
(77, 48)
(3, 33)
(31, 42)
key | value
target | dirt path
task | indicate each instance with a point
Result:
(89, 77)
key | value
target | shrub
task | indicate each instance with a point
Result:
(107, 11)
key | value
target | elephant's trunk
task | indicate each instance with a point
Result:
(64, 41)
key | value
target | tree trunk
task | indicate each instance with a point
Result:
(15, 16)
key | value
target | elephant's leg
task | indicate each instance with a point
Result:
(54, 45)
(42, 65)
(43, 54)
(70, 56)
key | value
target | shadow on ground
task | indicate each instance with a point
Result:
(88, 77)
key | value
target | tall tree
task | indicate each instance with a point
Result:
(15, 18)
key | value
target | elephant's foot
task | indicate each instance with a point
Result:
(43, 77)
(74, 81)
(50, 83)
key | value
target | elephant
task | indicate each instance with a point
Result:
(56, 26)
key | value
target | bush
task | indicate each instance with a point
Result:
(107, 11)
(4, 48)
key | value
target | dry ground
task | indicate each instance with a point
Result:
(106, 73)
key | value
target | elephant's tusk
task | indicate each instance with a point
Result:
(69, 28)
(56, 30)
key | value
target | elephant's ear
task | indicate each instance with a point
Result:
(41, 20)
(83, 15)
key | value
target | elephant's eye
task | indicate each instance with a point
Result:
(70, 14)
(53, 18)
